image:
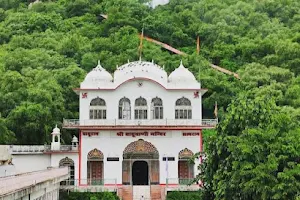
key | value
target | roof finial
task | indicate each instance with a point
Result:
(152, 61)
(56, 126)
(181, 65)
(128, 60)
(99, 64)
(163, 67)
(140, 58)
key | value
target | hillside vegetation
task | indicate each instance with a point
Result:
(46, 50)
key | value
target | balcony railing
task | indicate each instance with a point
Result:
(152, 122)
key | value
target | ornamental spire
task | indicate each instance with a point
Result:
(181, 65)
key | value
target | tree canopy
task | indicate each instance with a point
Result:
(58, 42)
(255, 153)
(46, 48)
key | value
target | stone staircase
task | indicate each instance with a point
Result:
(139, 191)
(153, 192)
(157, 192)
(125, 192)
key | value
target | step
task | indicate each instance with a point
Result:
(141, 192)
(125, 193)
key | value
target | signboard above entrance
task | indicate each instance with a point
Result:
(144, 133)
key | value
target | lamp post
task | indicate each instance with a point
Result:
(167, 170)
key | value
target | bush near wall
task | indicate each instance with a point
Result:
(64, 195)
(184, 195)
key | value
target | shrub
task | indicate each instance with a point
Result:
(87, 196)
(176, 195)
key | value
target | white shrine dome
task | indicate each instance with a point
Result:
(56, 131)
(141, 69)
(181, 74)
(98, 74)
(74, 139)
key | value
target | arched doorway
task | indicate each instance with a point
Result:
(140, 164)
(185, 167)
(95, 167)
(68, 162)
(140, 173)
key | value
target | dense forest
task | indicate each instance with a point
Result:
(47, 48)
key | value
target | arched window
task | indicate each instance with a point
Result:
(95, 167)
(140, 108)
(97, 109)
(157, 108)
(68, 162)
(124, 108)
(183, 109)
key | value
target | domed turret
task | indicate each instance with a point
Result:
(181, 74)
(74, 143)
(99, 74)
(56, 131)
(74, 139)
(55, 144)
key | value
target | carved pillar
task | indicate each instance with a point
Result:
(154, 177)
(126, 172)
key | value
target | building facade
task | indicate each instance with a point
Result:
(137, 127)
(140, 126)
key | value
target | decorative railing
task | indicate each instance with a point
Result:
(209, 122)
(180, 181)
(27, 148)
(37, 149)
(17, 182)
(94, 185)
(61, 148)
(89, 182)
(181, 184)
(152, 122)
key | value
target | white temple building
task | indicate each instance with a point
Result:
(137, 128)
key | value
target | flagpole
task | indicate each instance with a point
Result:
(216, 110)
(198, 45)
(141, 43)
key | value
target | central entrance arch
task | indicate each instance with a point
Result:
(140, 164)
(140, 173)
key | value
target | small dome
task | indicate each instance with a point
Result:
(181, 74)
(99, 74)
(140, 69)
(56, 131)
(74, 139)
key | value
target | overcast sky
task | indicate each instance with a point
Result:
(159, 2)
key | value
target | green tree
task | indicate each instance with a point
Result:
(6, 136)
(254, 155)
(30, 122)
